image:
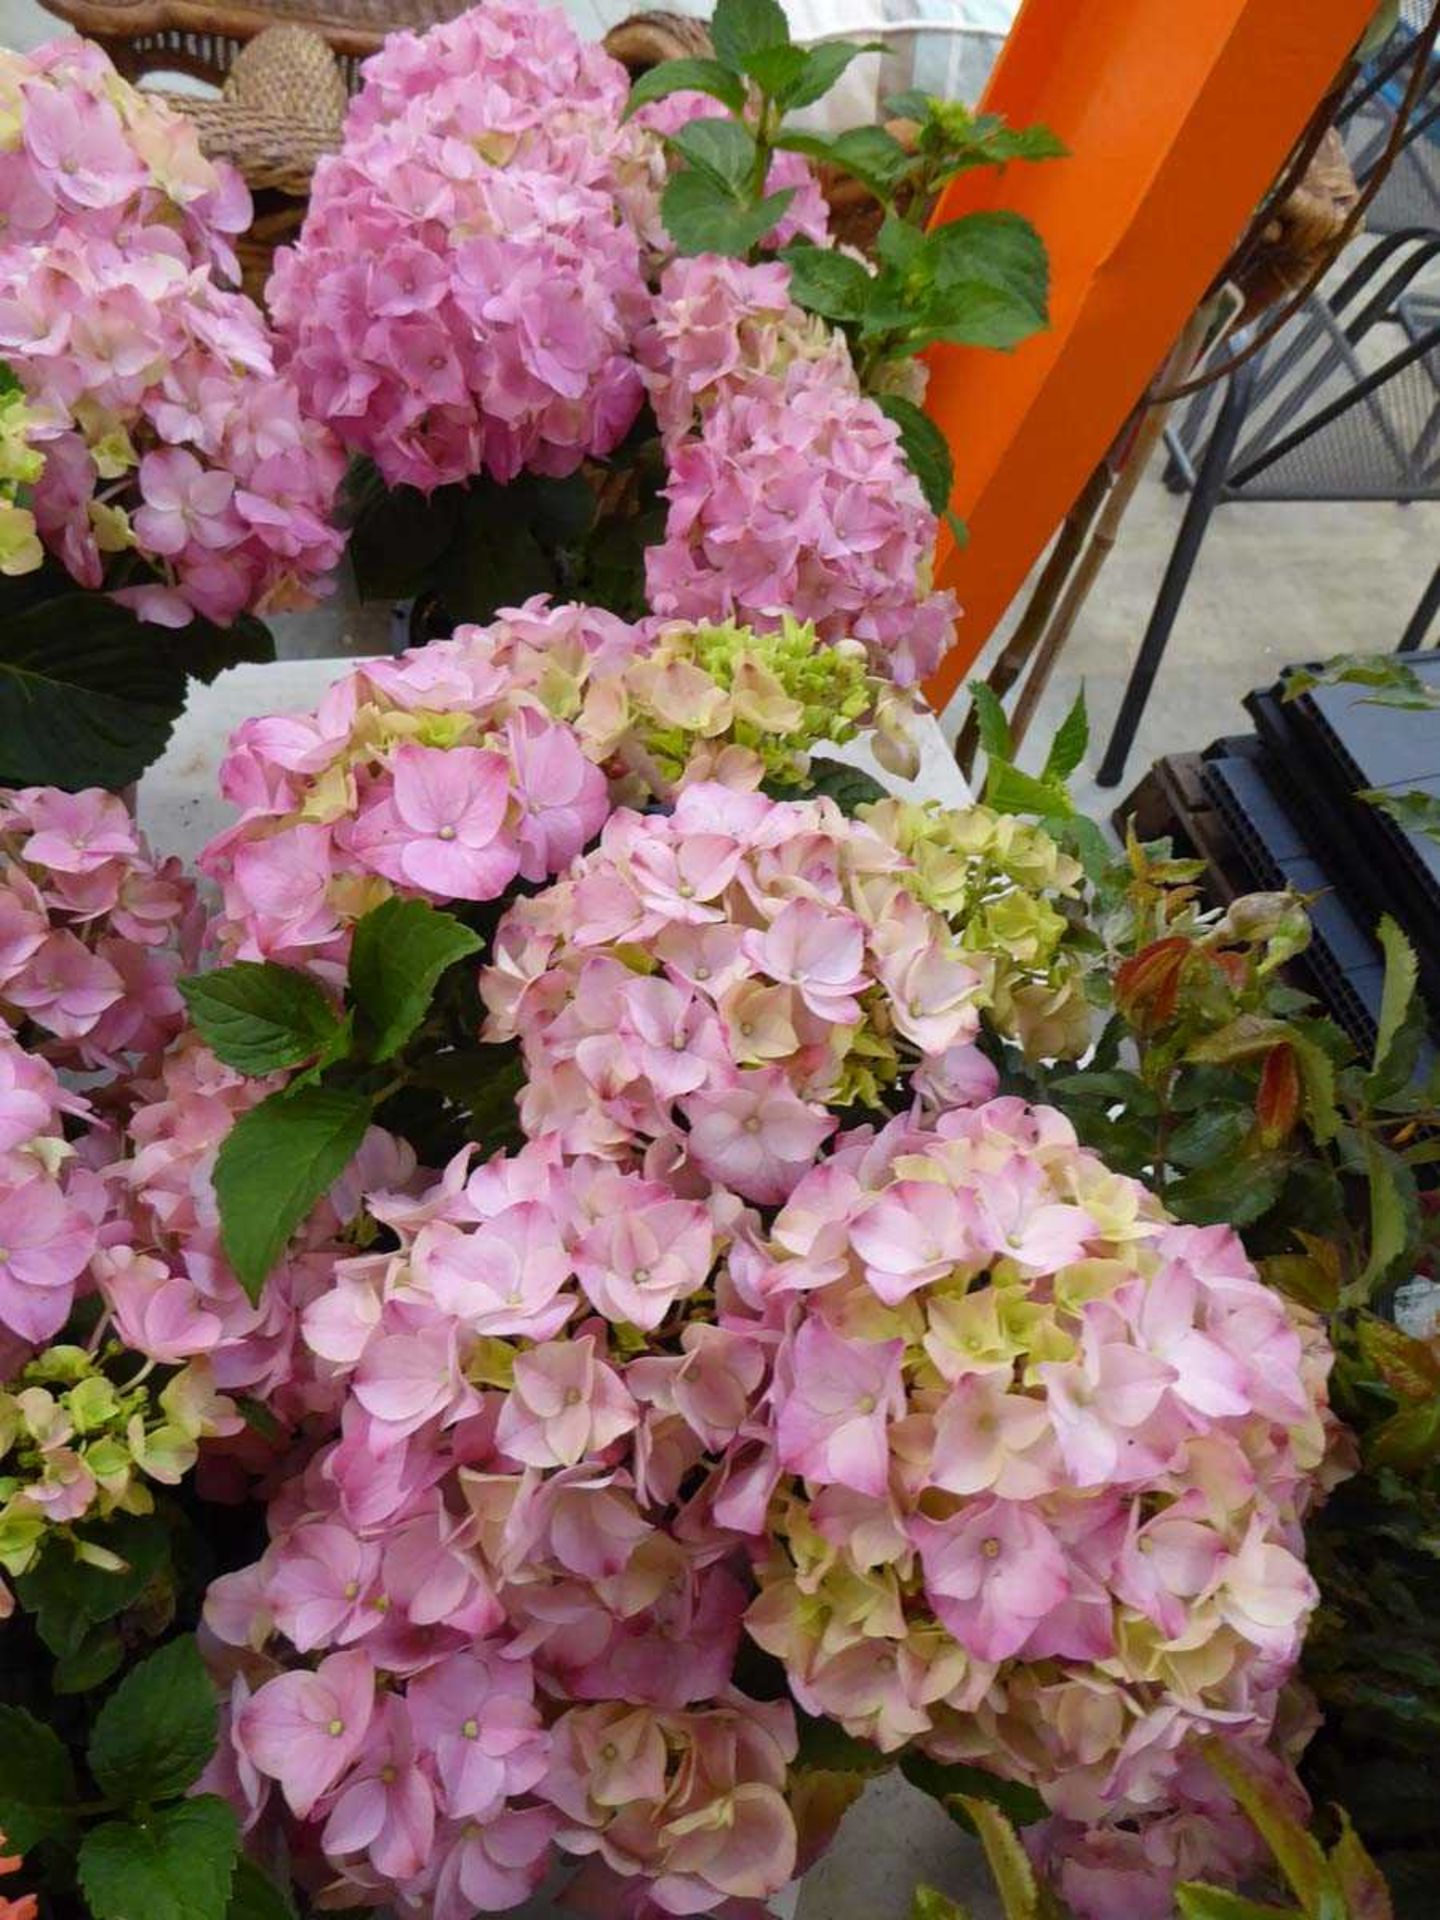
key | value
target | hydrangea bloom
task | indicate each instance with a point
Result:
(165, 433)
(449, 317)
(52, 1204)
(706, 979)
(477, 1599)
(93, 930)
(792, 494)
(76, 1447)
(86, 155)
(466, 290)
(162, 1271)
(440, 775)
(1048, 1456)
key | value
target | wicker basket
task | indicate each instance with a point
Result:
(1303, 233)
(281, 109)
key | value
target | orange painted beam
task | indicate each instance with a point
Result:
(1179, 114)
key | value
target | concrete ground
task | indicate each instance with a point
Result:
(1275, 584)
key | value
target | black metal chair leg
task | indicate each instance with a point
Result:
(1209, 485)
(1423, 617)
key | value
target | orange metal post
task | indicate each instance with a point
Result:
(1178, 114)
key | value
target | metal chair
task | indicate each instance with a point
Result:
(1332, 409)
(1376, 438)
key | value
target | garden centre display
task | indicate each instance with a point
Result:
(596, 1275)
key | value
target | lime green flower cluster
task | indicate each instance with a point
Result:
(75, 1446)
(704, 699)
(20, 467)
(997, 879)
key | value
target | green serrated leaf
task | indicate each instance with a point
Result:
(742, 27)
(1360, 1880)
(898, 245)
(987, 282)
(826, 282)
(259, 1017)
(1409, 1441)
(849, 787)
(702, 217)
(722, 150)
(1413, 809)
(1009, 1863)
(93, 1662)
(823, 66)
(176, 1864)
(1009, 790)
(1402, 971)
(397, 534)
(275, 1164)
(1067, 749)
(1297, 1853)
(926, 450)
(1223, 1192)
(156, 1732)
(775, 70)
(687, 76)
(995, 735)
(37, 1782)
(255, 1896)
(399, 952)
(1393, 1209)
(88, 694)
(69, 1597)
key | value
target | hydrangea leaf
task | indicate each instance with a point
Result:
(87, 699)
(258, 1017)
(687, 76)
(156, 1732)
(925, 448)
(276, 1162)
(741, 27)
(176, 1864)
(400, 950)
(37, 1781)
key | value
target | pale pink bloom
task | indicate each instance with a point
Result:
(494, 1865)
(563, 798)
(992, 1574)
(821, 953)
(1100, 1402)
(1016, 1220)
(476, 1713)
(65, 986)
(987, 1440)
(1265, 1593)
(565, 1403)
(408, 1377)
(914, 1233)
(185, 503)
(839, 1395)
(756, 1137)
(1168, 1563)
(1207, 1377)
(321, 1586)
(506, 1276)
(306, 1729)
(447, 833)
(46, 1239)
(78, 832)
(157, 1312)
(636, 1261)
(385, 1806)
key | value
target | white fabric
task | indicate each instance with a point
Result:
(945, 47)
